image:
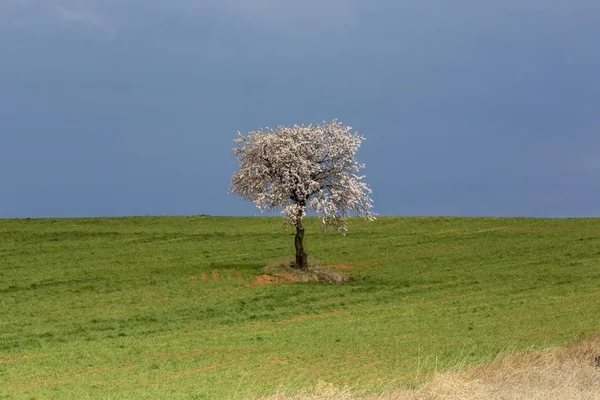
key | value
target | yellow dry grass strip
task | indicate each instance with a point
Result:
(556, 373)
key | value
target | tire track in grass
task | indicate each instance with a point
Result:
(184, 373)
(20, 358)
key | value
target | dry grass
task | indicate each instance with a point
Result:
(283, 270)
(556, 373)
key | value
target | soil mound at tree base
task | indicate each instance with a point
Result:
(282, 271)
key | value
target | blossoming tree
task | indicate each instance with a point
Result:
(303, 167)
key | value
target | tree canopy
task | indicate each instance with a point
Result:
(303, 167)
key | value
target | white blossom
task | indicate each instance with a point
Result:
(303, 167)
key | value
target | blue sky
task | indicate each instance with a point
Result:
(111, 107)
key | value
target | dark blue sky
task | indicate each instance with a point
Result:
(111, 107)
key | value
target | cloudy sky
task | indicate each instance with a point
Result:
(470, 107)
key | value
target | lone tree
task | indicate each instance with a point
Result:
(300, 167)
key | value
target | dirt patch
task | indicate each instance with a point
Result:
(340, 267)
(239, 277)
(192, 278)
(264, 279)
(203, 276)
(215, 276)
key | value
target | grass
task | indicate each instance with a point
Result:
(161, 307)
(554, 373)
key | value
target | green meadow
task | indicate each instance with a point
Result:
(164, 307)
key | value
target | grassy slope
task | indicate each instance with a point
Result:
(105, 307)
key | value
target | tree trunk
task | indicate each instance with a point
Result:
(301, 257)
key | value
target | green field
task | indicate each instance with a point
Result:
(118, 307)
